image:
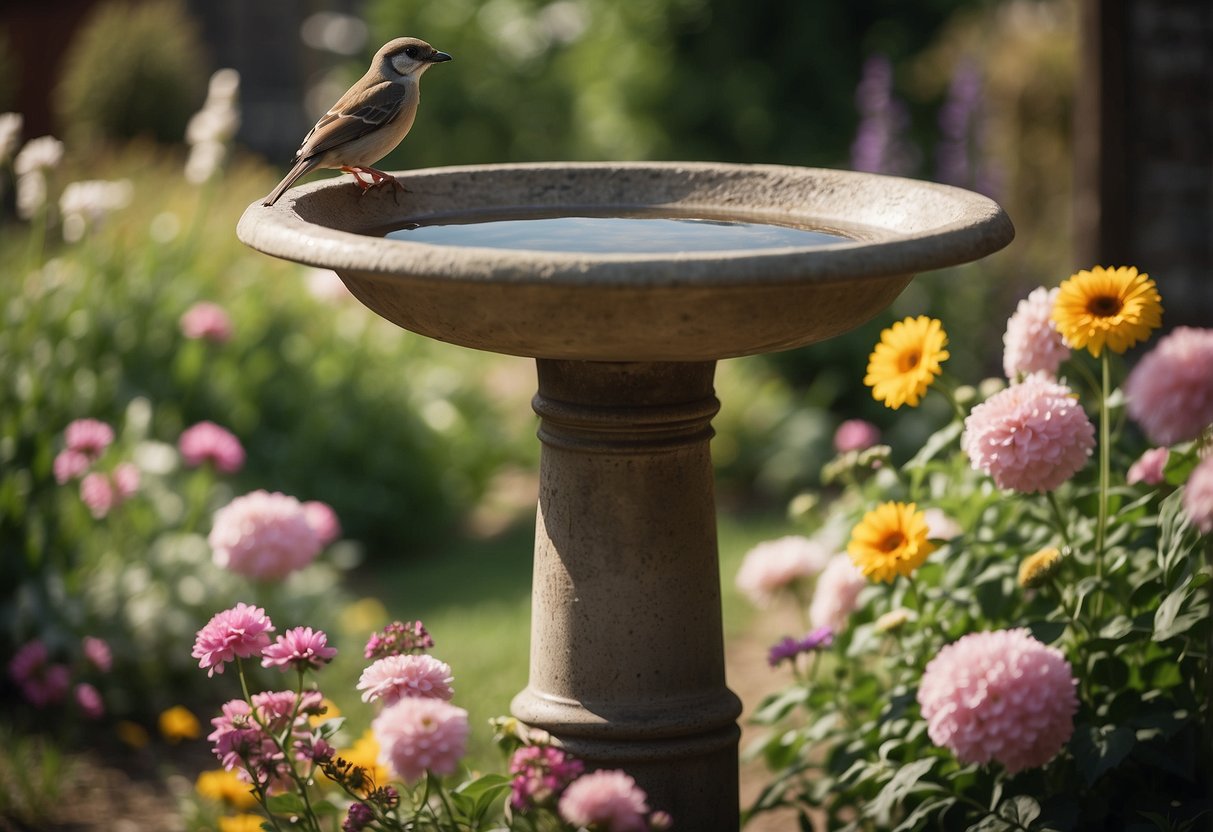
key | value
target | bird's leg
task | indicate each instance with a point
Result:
(379, 178)
(356, 173)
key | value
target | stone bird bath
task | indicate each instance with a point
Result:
(627, 660)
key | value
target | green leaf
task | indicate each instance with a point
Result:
(1047, 631)
(935, 443)
(776, 707)
(1098, 749)
(1169, 621)
(1117, 628)
(1020, 809)
(900, 785)
(1180, 464)
(287, 803)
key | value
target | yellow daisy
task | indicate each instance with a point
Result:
(890, 540)
(224, 786)
(906, 361)
(1037, 568)
(241, 823)
(178, 723)
(1107, 307)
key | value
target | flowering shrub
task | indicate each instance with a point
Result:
(1035, 654)
(276, 747)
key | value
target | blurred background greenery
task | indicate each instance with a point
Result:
(427, 451)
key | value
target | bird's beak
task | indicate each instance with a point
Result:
(439, 57)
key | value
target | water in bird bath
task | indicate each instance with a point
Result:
(623, 232)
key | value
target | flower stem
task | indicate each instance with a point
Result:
(1104, 474)
(1059, 515)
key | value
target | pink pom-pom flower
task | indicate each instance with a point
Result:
(1030, 437)
(206, 321)
(323, 521)
(397, 677)
(89, 437)
(97, 652)
(1198, 496)
(263, 535)
(208, 442)
(420, 735)
(69, 465)
(98, 493)
(1001, 696)
(855, 435)
(775, 565)
(1032, 343)
(241, 631)
(1149, 468)
(88, 700)
(607, 800)
(836, 593)
(1170, 391)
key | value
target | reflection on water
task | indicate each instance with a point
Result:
(628, 234)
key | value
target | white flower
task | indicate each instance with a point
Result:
(87, 202)
(205, 158)
(31, 194)
(38, 155)
(10, 134)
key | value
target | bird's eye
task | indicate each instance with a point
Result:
(411, 52)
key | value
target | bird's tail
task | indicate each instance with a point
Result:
(301, 167)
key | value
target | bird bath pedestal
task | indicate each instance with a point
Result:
(627, 658)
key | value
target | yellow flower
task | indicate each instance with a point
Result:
(906, 361)
(1107, 307)
(132, 733)
(177, 724)
(892, 620)
(890, 540)
(1036, 569)
(224, 786)
(241, 823)
(363, 616)
(331, 711)
(365, 753)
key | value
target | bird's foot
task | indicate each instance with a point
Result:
(378, 178)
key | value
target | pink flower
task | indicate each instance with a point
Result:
(1032, 343)
(300, 647)
(397, 677)
(41, 683)
(540, 773)
(241, 631)
(323, 521)
(420, 735)
(98, 494)
(855, 435)
(206, 321)
(609, 800)
(1000, 696)
(89, 437)
(1030, 437)
(836, 592)
(397, 638)
(1149, 468)
(1170, 391)
(939, 525)
(1198, 496)
(97, 651)
(241, 745)
(207, 442)
(88, 699)
(778, 564)
(263, 535)
(126, 480)
(70, 464)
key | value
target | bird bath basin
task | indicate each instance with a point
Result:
(627, 662)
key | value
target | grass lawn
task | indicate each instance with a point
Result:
(474, 597)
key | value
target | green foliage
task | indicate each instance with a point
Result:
(134, 69)
(847, 739)
(33, 775)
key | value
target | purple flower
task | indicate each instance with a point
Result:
(789, 648)
(880, 145)
(358, 817)
(541, 773)
(88, 699)
(300, 647)
(398, 638)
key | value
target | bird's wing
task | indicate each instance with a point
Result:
(352, 117)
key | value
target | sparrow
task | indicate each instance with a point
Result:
(368, 121)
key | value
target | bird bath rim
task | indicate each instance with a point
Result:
(699, 306)
(904, 226)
